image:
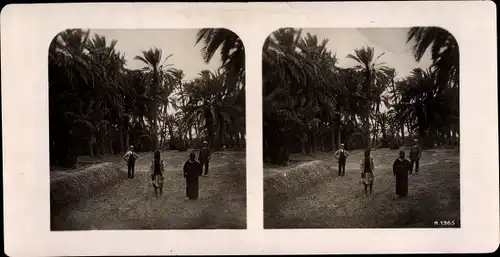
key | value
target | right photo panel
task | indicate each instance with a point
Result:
(361, 128)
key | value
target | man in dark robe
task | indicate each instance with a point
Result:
(130, 157)
(341, 156)
(415, 154)
(204, 156)
(400, 169)
(192, 172)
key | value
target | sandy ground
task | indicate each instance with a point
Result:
(340, 202)
(131, 204)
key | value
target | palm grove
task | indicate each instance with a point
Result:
(310, 104)
(97, 106)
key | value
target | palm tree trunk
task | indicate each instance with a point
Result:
(170, 132)
(455, 135)
(127, 139)
(375, 130)
(190, 136)
(155, 129)
(111, 147)
(239, 140)
(102, 146)
(163, 135)
(196, 129)
(223, 140)
(314, 139)
(339, 136)
(332, 130)
(209, 128)
(408, 128)
(403, 132)
(154, 109)
(122, 146)
(91, 147)
(303, 141)
(366, 130)
(384, 136)
(338, 126)
(97, 149)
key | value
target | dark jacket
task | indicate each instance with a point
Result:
(415, 152)
(204, 155)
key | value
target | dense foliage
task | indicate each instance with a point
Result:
(97, 106)
(311, 104)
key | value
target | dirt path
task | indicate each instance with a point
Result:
(340, 202)
(131, 204)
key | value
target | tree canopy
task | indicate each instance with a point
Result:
(98, 106)
(308, 98)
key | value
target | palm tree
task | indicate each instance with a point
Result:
(137, 101)
(371, 71)
(85, 87)
(283, 75)
(444, 52)
(424, 106)
(394, 96)
(98, 106)
(383, 120)
(70, 74)
(178, 76)
(110, 64)
(327, 82)
(232, 52)
(209, 101)
(299, 91)
(155, 67)
(445, 62)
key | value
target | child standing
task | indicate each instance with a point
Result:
(367, 168)
(157, 177)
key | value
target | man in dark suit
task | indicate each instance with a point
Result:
(415, 153)
(204, 156)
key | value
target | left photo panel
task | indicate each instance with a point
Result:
(147, 129)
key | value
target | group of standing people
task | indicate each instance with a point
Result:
(401, 168)
(192, 170)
